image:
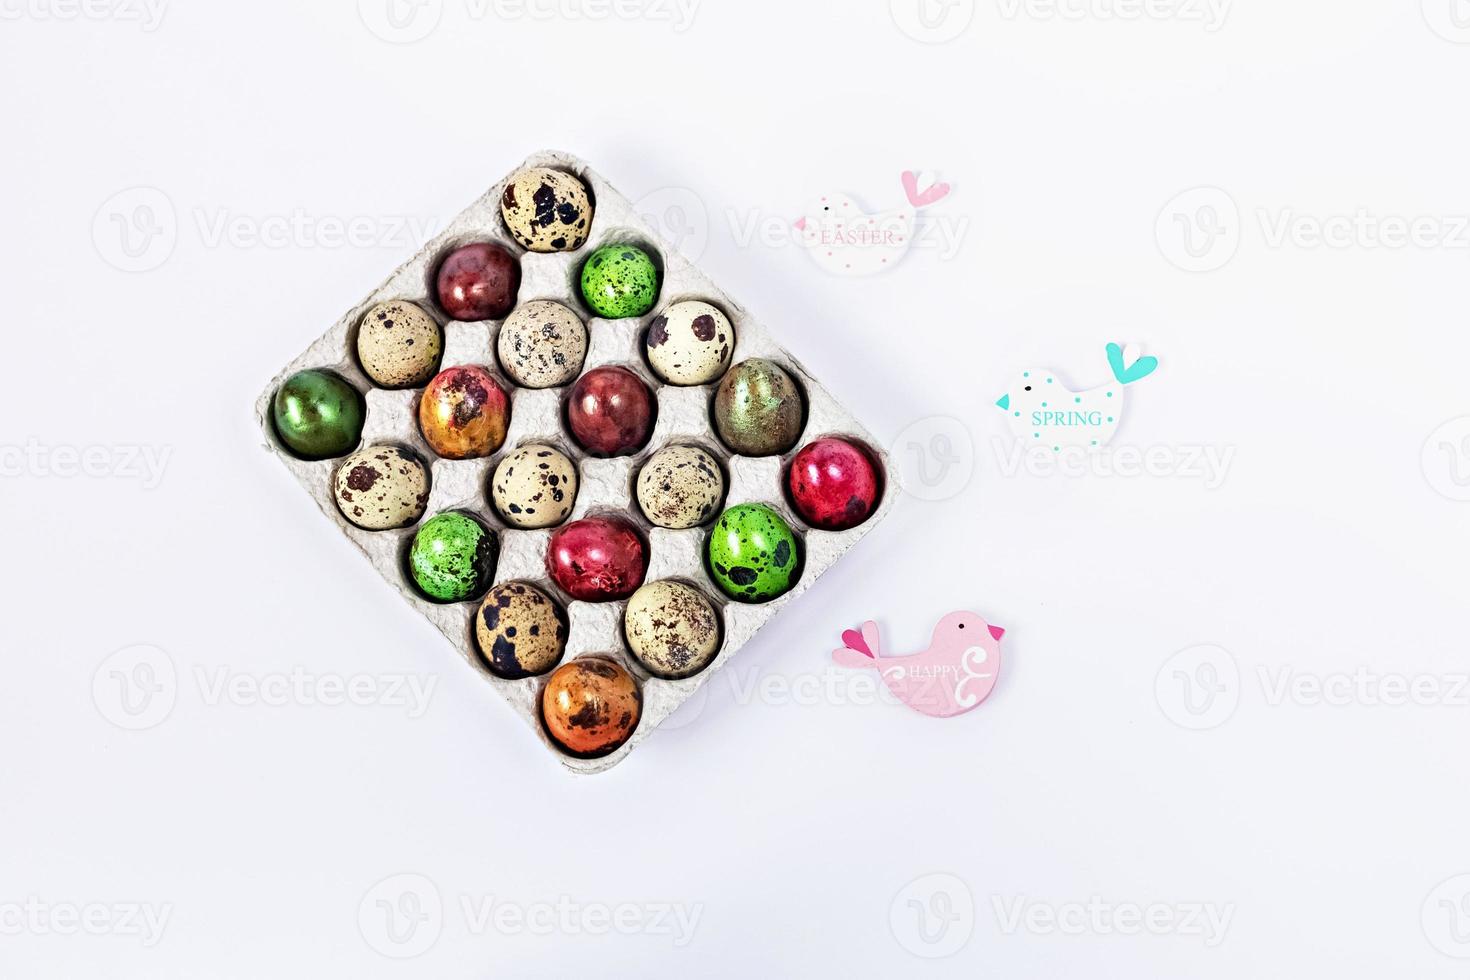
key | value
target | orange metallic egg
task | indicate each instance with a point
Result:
(591, 706)
(464, 413)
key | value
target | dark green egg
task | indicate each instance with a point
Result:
(759, 410)
(318, 415)
(753, 555)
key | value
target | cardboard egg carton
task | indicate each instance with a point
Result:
(607, 486)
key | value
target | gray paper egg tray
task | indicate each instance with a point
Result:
(607, 486)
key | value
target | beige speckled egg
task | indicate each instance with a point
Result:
(521, 630)
(535, 486)
(542, 344)
(382, 487)
(399, 345)
(690, 343)
(672, 629)
(547, 210)
(680, 486)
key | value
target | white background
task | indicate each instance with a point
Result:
(790, 817)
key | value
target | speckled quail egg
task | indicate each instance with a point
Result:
(542, 344)
(382, 487)
(399, 345)
(547, 210)
(672, 629)
(535, 486)
(680, 486)
(690, 343)
(521, 630)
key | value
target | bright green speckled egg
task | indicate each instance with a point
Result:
(620, 281)
(318, 415)
(753, 555)
(453, 557)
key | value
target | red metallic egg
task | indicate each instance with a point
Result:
(597, 559)
(834, 484)
(610, 412)
(479, 282)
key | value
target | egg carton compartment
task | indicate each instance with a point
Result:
(606, 485)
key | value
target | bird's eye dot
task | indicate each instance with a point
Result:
(962, 626)
(1028, 387)
(826, 207)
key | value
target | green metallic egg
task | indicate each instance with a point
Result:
(620, 281)
(453, 557)
(753, 555)
(759, 409)
(318, 415)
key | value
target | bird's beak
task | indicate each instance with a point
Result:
(1005, 401)
(997, 632)
(800, 223)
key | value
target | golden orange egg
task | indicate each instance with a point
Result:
(591, 706)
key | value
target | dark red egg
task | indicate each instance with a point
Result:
(597, 559)
(834, 484)
(610, 412)
(479, 282)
